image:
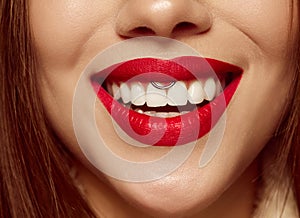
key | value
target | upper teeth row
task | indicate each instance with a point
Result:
(140, 93)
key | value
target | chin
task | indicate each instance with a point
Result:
(177, 195)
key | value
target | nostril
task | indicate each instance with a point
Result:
(143, 30)
(184, 27)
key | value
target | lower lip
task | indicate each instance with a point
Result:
(174, 131)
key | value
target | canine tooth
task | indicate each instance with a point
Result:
(155, 97)
(177, 94)
(196, 93)
(116, 91)
(210, 89)
(223, 83)
(125, 93)
(137, 94)
(219, 88)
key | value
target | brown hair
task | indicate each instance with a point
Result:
(33, 163)
(286, 139)
(294, 120)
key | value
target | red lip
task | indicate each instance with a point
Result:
(167, 131)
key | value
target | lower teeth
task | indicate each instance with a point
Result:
(161, 114)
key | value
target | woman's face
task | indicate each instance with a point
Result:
(252, 35)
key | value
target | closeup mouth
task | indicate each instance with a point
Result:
(167, 102)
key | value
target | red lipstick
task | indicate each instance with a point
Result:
(171, 131)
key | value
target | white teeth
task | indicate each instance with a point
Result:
(177, 94)
(223, 83)
(125, 93)
(139, 111)
(150, 113)
(210, 89)
(196, 93)
(219, 88)
(174, 114)
(155, 97)
(137, 94)
(162, 114)
(140, 94)
(116, 91)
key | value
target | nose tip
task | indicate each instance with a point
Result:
(168, 18)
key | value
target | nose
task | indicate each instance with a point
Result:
(167, 18)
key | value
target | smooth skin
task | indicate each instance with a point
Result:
(250, 34)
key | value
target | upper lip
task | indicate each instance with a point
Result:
(153, 69)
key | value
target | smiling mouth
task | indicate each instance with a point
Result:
(167, 102)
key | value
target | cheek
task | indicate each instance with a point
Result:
(57, 94)
(256, 111)
(264, 22)
(61, 29)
